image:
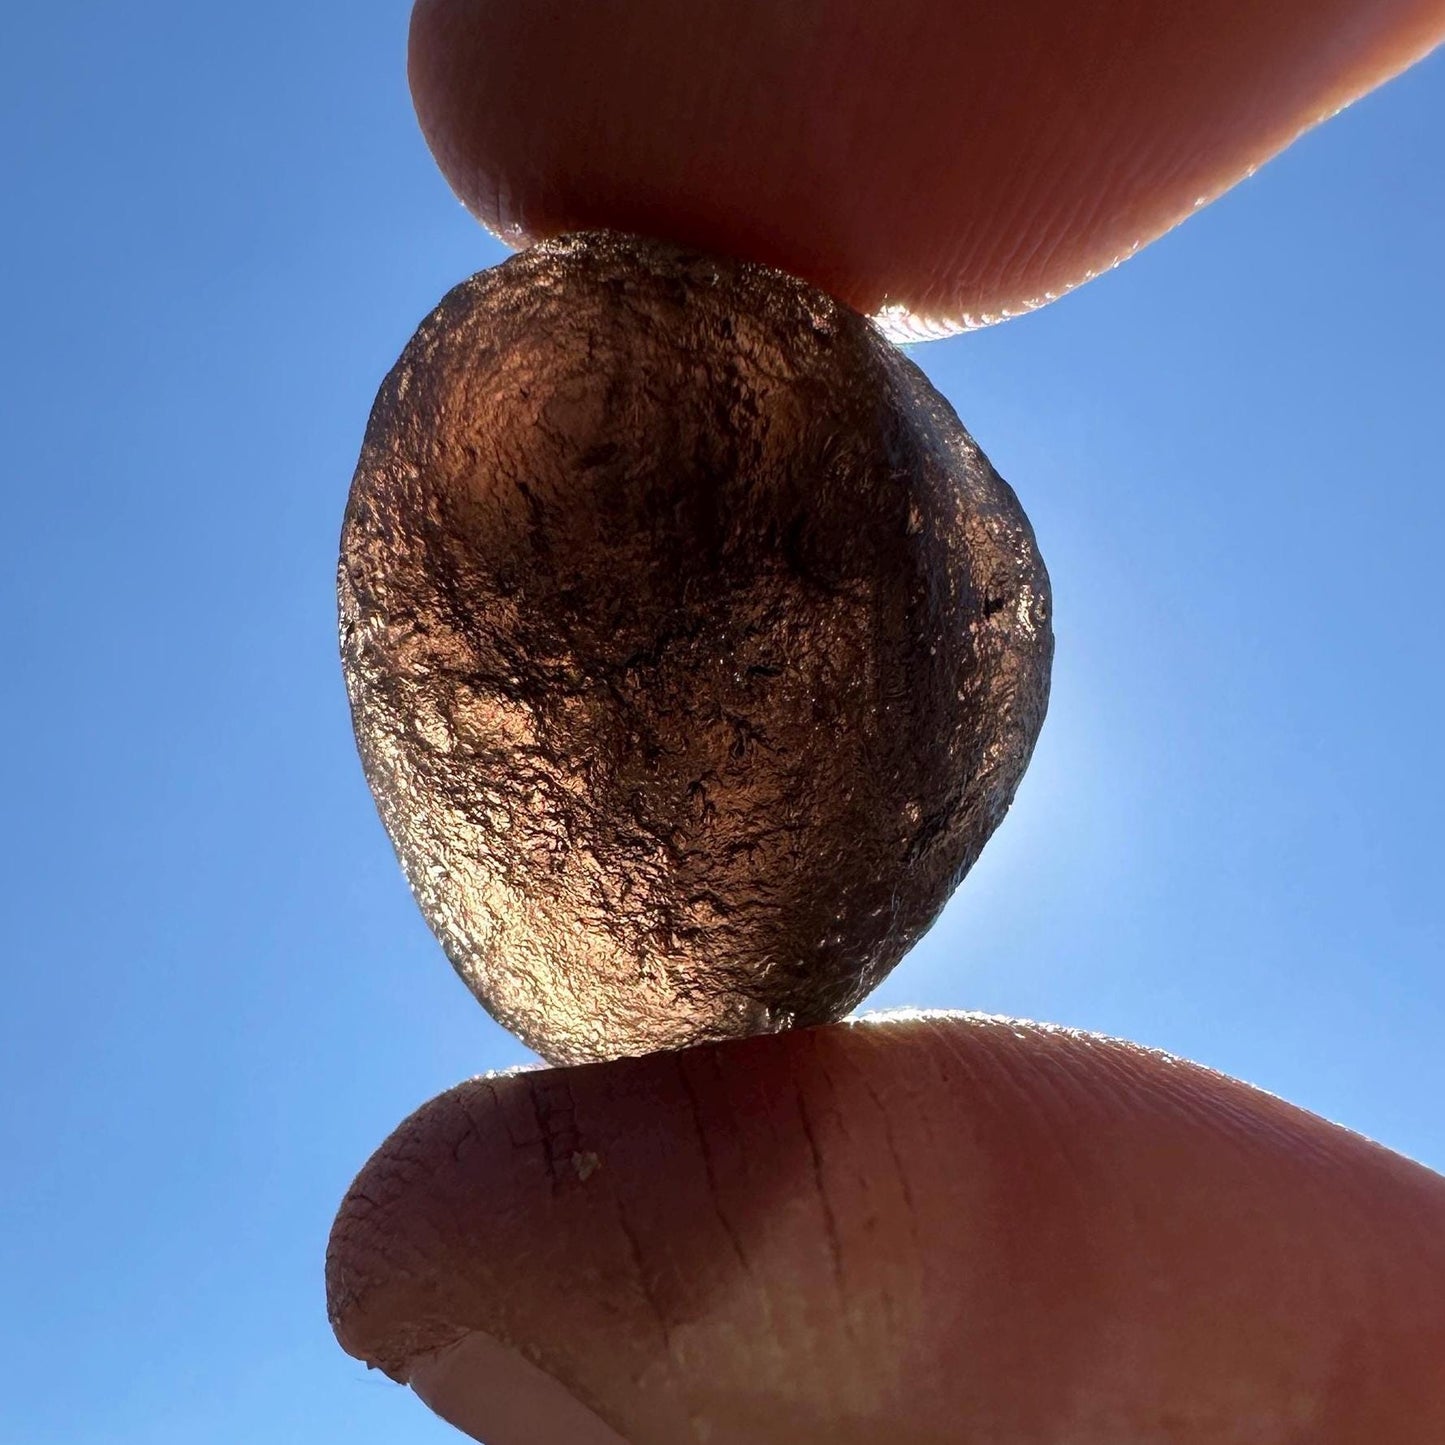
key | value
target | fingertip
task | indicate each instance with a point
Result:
(945, 161)
(951, 1225)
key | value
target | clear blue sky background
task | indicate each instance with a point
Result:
(221, 225)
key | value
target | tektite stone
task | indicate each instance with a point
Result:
(694, 648)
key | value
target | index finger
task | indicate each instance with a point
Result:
(958, 160)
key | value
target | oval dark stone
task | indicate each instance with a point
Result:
(694, 648)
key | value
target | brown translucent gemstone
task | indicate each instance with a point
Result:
(694, 649)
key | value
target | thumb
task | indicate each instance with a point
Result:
(938, 1229)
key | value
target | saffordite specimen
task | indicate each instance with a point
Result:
(694, 649)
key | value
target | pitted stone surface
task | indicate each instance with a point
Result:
(694, 648)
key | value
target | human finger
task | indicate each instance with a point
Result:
(944, 1228)
(955, 160)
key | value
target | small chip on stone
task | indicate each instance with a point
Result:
(694, 648)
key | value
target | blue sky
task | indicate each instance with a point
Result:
(221, 227)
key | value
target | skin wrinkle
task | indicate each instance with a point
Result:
(740, 1168)
(900, 1171)
(1033, 1235)
(1043, 1098)
(1235, 1127)
(1018, 237)
(733, 1238)
(831, 1234)
(640, 1269)
(681, 1291)
(556, 1122)
(1084, 1244)
(665, 1352)
(762, 1159)
(499, 1114)
(864, 1219)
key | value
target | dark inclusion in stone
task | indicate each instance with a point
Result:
(694, 649)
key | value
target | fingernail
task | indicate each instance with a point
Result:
(493, 1393)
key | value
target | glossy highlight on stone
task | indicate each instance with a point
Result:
(694, 649)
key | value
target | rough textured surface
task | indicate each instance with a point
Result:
(694, 649)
